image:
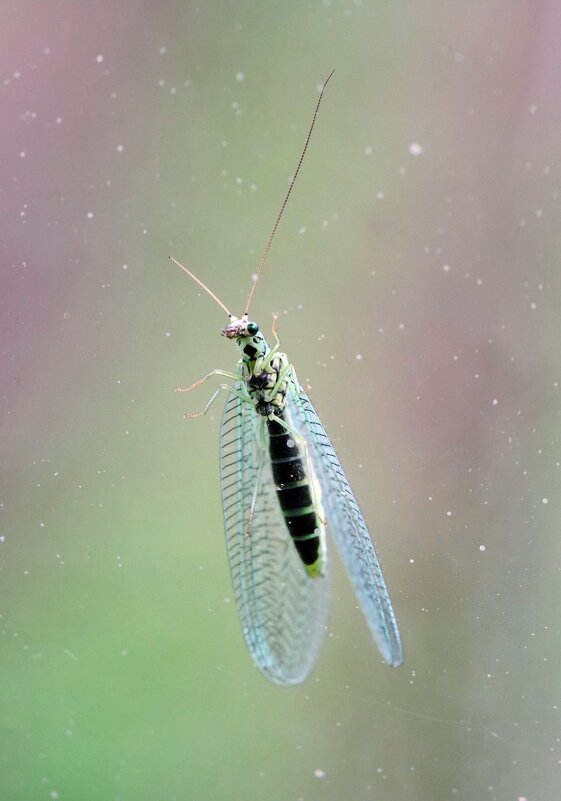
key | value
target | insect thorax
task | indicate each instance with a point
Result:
(261, 378)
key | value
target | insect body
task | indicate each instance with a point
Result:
(267, 375)
(283, 489)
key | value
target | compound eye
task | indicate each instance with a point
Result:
(252, 329)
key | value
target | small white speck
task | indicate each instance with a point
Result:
(89, 215)
(545, 500)
(532, 108)
(319, 773)
(240, 76)
(125, 266)
(168, 333)
(368, 151)
(358, 357)
(448, 514)
(482, 548)
(380, 195)
(495, 402)
(302, 229)
(411, 561)
(416, 149)
(446, 268)
(163, 51)
(22, 154)
(41, 524)
(120, 148)
(99, 58)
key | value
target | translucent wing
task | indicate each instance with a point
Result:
(347, 526)
(282, 610)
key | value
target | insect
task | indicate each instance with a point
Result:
(283, 490)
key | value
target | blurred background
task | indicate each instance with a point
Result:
(416, 273)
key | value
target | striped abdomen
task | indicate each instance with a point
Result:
(296, 497)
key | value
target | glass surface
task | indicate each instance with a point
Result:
(416, 272)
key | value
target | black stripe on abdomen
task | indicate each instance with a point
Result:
(294, 491)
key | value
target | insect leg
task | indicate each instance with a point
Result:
(274, 350)
(274, 328)
(278, 383)
(288, 428)
(198, 383)
(241, 395)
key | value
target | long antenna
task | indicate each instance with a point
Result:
(285, 201)
(200, 283)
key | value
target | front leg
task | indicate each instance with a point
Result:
(233, 390)
(274, 350)
(243, 396)
(225, 373)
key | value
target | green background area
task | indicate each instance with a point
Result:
(416, 273)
